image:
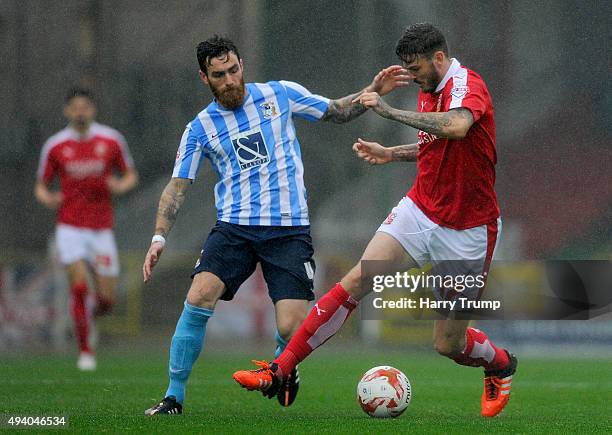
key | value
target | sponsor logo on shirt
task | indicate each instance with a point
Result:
(460, 91)
(84, 168)
(250, 149)
(425, 138)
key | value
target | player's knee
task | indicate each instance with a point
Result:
(288, 325)
(286, 331)
(205, 291)
(203, 298)
(448, 346)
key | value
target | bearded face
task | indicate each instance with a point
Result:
(429, 80)
(229, 96)
(424, 73)
(225, 79)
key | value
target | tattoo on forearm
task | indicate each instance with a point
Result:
(405, 153)
(437, 123)
(434, 123)
(344, 110)
(169, 204)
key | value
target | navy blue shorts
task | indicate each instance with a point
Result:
(231, 252)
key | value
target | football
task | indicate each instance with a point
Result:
(384, 392)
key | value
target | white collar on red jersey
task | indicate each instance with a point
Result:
(452, 70)
(93, 127)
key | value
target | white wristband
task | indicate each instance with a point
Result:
(159, 238)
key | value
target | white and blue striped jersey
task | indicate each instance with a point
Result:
(255, 152)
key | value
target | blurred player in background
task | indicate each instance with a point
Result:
(451, 212)
(86, 157)
(248, 135)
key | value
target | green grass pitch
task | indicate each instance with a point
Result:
(549, 396)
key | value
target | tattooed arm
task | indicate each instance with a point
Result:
(405, 153)
(171, 200)
(348, 108)
(344, 110)
(376, 154)
(453, 124)
(169, 204)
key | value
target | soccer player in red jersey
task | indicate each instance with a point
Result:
(93, 163)
(450, 213)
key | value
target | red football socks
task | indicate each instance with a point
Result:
(79, 314)
(325, 319)
(481, 352)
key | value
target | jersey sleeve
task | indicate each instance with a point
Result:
(47, 166)
(303, 103)
(471, 93)
(123, 159)
(189, 155)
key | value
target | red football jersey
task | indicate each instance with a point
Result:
(456, 177)
(83, 164)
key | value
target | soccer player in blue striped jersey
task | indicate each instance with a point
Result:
(248, 134)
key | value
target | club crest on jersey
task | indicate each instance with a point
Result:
(269, 109)
(460, 91)
(68, 152)
(250, 149)
(100, 149)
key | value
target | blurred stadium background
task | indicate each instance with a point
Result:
(547, 65)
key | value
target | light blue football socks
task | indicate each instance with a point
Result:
(281, 344)
(187, 343)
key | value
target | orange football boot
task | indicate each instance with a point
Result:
(261, 379)
(497, 385)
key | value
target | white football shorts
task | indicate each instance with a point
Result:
(427, 241)
(97, 247)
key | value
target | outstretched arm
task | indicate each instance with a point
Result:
(344, 109)
(453, 124)
(376, 154)
(171, 200)
(348, 108)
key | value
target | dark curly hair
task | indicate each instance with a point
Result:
(214, 47)
(421, 39)
(78, 92)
